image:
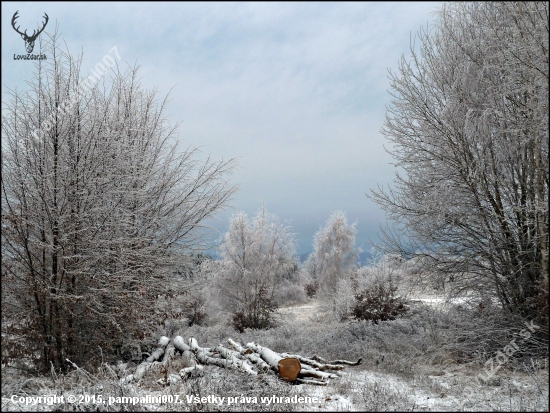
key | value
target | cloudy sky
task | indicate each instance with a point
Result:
(295, 91)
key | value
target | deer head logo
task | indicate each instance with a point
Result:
(29, 40)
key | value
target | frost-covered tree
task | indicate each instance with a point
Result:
(255, 259)
(469, 128)
(334, 253)
(98, 203)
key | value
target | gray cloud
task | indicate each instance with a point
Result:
(297, 91)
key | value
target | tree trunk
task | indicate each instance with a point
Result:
(287, 368)
(229, 361)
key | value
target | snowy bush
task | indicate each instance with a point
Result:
(258, 313)
(375, 291)
(311, 289)
(379, 303)
(367, 291)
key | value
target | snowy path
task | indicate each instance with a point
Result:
(300, 312)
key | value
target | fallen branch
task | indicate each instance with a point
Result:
(233, 360)
(230, 361)
(346, 362)
(319, 359)
(188, 371)
(314, 363)
(236, 346)
(261, 365)
(312, 381)
(157, 354)
(317, 374)
(185, 350)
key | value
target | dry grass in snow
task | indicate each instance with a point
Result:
(408, 364)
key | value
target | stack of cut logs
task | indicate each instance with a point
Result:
(252, 359)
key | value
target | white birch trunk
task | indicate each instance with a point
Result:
(157, 354)
(144, 366)
(313, 363)
(236, 346)
(316, 374)
(234, 361)
(287, 368)
(185, 350)
(268, 355)
(206, 356)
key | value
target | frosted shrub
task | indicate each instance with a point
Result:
(375, 291)
(368, 293)
(257, 314)
(195, 311)
(311, 289)
(379, 303)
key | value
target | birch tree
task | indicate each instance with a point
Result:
(255, 258)
(334, 253)
(96, 208)
(469, 130)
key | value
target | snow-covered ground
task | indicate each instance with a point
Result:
(374, 390)
(360, 388)
(447, 389)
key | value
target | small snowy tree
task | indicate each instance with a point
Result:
(334, 253)
(255, 258)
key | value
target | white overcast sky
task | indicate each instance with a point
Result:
(295, 91)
